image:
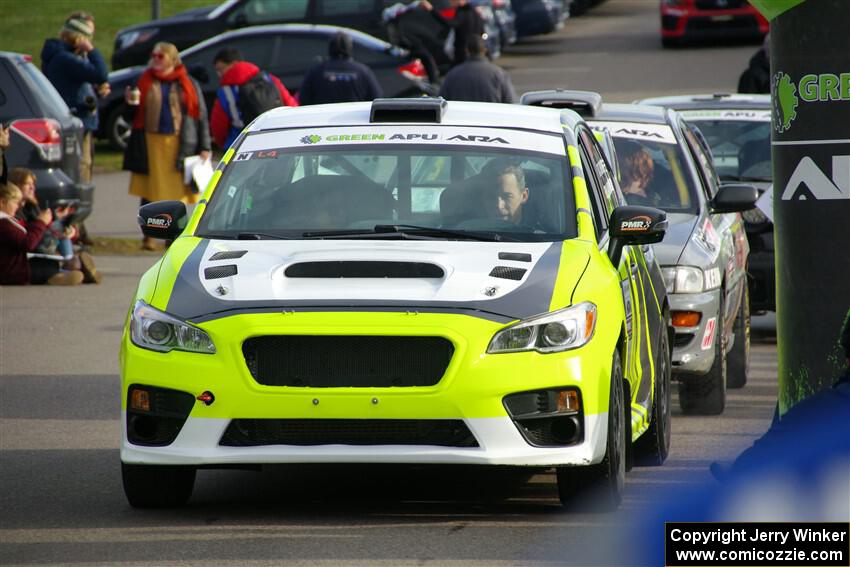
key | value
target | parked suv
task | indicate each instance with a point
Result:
(286, 50)
(45, 136)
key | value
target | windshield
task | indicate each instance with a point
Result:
(741, 150)
(483, 183)
(653, 171)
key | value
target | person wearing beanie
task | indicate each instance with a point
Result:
(77, 70)
(340, 78)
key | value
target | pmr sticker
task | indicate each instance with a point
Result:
(162, 220)
(708, 336)
(636, 224)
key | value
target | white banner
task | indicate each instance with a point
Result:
(731, 115)
(637, 131)
(262, 145)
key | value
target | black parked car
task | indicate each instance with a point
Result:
(535, 17)
(286, 50)
(45, 137)
(134, 44)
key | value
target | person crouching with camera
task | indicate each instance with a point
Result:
(53, 260)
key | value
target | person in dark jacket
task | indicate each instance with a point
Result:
(468, 25)
(226, 121)
(340, 78)
(756, 77)
(477, 79)
(78, 71)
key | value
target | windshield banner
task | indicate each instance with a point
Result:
(351, 136)
(645, 132)
(732, 115)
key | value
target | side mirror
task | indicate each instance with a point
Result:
(634, 224)
(164, 220)
(734, 198)
(200, 73)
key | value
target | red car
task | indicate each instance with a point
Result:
(682, 20)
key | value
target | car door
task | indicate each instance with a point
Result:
(730, 226)
(635, 284)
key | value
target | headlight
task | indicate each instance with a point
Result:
(155, 330)
(552, 332)
(683, 279)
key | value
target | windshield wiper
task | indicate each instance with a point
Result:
(406, 229)
(261, 236)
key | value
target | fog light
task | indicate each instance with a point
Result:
(568, 400)
(140, 400)
(686, 318)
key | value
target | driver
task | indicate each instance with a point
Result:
(505, 192)
(637, 169)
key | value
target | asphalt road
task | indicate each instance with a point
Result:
(61, 500)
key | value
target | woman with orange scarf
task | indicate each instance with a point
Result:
(170, 123)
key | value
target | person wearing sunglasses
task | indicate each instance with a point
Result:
(170, 123)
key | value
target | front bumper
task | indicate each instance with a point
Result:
(714, 24)
(693, 347)
(472, 390)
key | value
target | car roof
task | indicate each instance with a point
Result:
(457, 113)
(13, 55)
(317, 29)
(711, 101)
(642, 113)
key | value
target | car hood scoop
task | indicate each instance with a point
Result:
(363, 269)
(276, 275)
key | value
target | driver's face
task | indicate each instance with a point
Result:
(506, 199)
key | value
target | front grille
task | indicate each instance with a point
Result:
(720, 4)
(343, 361)
(440, 432)
(739, 23)
(362, 269)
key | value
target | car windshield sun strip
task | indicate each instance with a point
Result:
(411, 229)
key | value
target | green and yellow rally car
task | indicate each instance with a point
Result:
(403, 281)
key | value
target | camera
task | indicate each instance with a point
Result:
(90, 103)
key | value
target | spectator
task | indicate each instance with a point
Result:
(339, 79)
(467, 25)
(16, 240)
(56, 240)
(78, 71)
(169, 124)
(477, 80)
(4, 145)
(230, 112)
(416, 34)
(756, 77)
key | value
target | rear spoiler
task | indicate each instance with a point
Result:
(585, 103)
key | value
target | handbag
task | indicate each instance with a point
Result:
(136, 153)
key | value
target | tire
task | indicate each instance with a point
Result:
(157, 486)
(117, 129)
(652, 448)
(706, 395)
(738, 363)
(600, 487)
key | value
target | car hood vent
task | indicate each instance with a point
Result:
(217, 272)
(228, 255)
(507, 273)
(360, 269)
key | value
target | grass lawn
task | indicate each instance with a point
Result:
(25, 24)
